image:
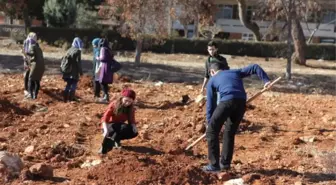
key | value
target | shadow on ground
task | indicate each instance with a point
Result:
(300, 83)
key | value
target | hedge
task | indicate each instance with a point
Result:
(54, 35)
(182, 45)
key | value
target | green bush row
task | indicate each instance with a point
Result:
(54, 36)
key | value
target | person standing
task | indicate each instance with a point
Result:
(214, 57)
(71, 68)
(104, 71)
(96, 63)
(34, 65)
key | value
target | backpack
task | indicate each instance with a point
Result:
(67, 62)
(66, 66)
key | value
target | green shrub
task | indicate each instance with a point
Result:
(182, 45)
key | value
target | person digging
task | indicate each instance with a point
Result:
(231, 110)
(113, 121)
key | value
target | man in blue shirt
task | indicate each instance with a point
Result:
(231, 109)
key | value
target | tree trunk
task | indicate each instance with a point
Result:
(196, 33)
(299, 42)
(138, 51)
(289, 51)
(243, 19)
(11, 20)
(26, 20)
(185, 26)
(170, 23)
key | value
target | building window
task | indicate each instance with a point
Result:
(224, 12)
(328, 16)
(327, 40)
(250, 13)
(247, 36)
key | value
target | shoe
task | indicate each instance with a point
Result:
(28, 97)
(34, 96)
(101, 100)
(117, 144)
(65, 96)
(107, 145)
(25, 93)
(72, 96)
(106, 98)
(224, 167)
(210, 168)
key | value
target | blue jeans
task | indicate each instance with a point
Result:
(71, 85)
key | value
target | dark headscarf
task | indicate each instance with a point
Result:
(104, 43)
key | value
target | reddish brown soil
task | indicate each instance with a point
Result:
(267, 143)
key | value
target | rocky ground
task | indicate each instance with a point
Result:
(287, 135)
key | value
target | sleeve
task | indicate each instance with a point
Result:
(131, 118)
(79, 63)
(108, 113)
(254, 69)
(206, 72)
(103, 54)
(211, 100)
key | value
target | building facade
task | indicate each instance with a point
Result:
(227, 20)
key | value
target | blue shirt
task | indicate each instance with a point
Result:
(230, 85)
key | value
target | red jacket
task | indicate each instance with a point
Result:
(110, 117)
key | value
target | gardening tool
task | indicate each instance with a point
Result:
(248, 101)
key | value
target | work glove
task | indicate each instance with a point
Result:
(134, 128)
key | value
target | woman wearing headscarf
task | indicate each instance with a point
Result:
(71, 77)
(96, 63)
(34, 65)
(105, 72)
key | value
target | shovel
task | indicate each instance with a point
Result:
(248, 101)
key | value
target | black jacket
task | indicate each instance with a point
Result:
(217, 58)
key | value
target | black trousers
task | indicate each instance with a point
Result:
(105, 88)
(231, 111)
(26, 79)
(34, 87)
(119, 131)
(96, 88)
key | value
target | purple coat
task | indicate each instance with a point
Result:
(106, 58)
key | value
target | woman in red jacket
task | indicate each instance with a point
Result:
(113, 121)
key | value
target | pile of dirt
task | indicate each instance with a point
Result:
(167, 169)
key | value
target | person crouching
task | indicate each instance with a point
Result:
(113, 121)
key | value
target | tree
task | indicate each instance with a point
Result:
(242, 9)
(86, 18)
(199, 12)
(138, 19)
(12, 8)
(25, 9)
(210, 31)
(60, 13)
(296, 10)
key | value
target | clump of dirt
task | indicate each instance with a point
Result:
(67, 151)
